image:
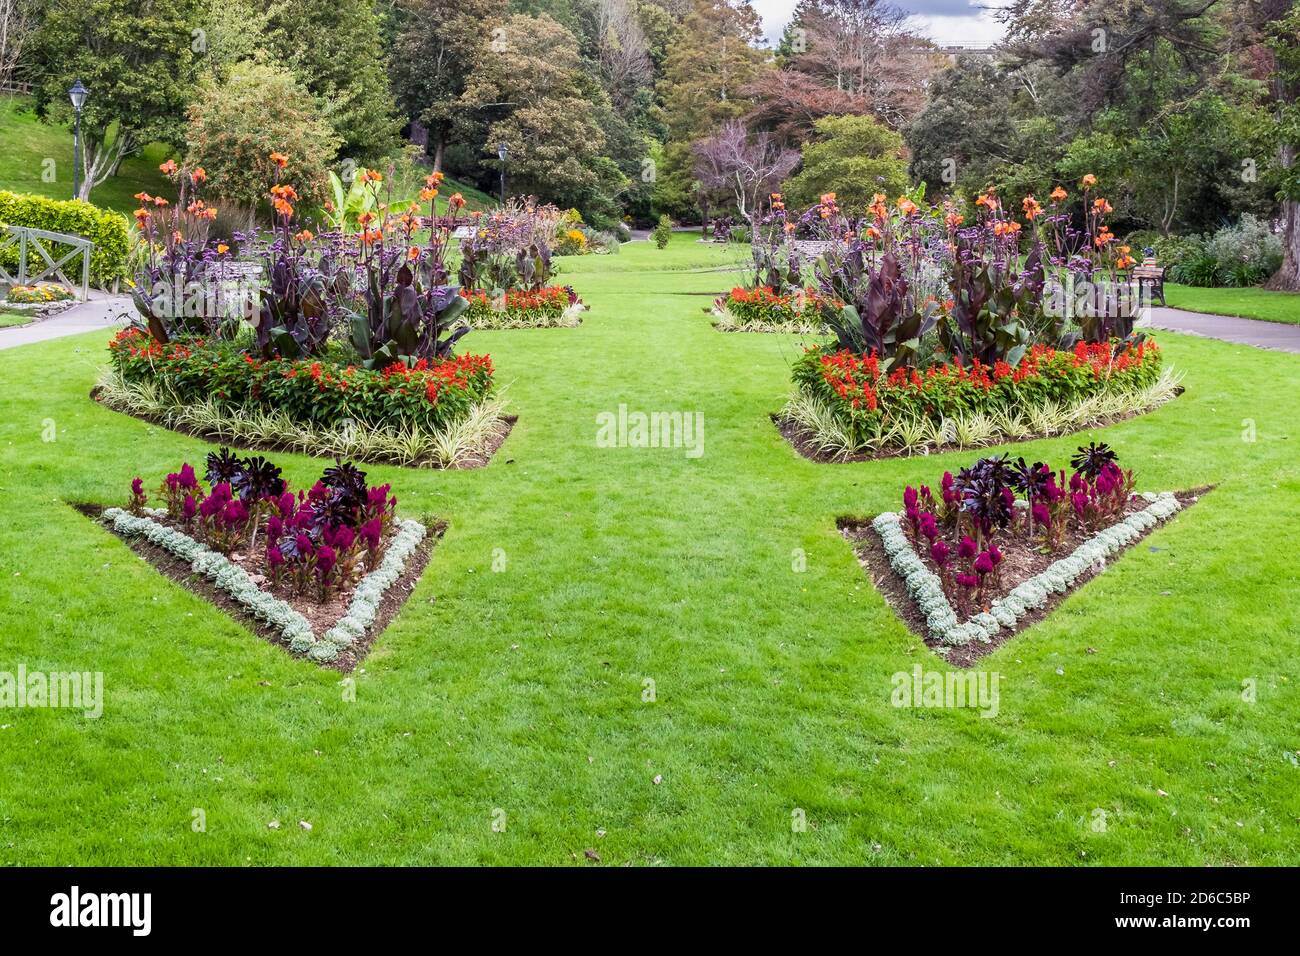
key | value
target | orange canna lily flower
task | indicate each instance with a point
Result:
(456, 201)
(1088, 181)
(905, 206)
(280, 159)
(413, 253)
(1059, 194)
(199, 175)
(168, 168)
(222, 248)
(1032, 207)
(306, 235)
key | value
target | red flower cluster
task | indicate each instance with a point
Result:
(762, 303)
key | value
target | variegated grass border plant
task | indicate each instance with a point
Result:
(462, 443)
(827, 433)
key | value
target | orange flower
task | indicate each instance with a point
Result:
(222, 248)
(143, 197)
(878, 207)
(282, 207)
(433, 179)
(456, 201)
(371, 176)
(168, 168)
(427, 193)
(372, 235)
(988, 202)
(306, 235)
(1088, 181)
(828, 199)
(284, 192)
(906, 206)
(280, 159)
(954, 219)
(199, 175)
(413, 253)
(1032, 207)
(159, 201)
(365, 218)
(789, 227)
(1058, 194)
(1101, 205)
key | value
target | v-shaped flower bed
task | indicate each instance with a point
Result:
(321, 571)
(1003, 543)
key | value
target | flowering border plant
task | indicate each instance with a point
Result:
(338, 535)
(951, 549)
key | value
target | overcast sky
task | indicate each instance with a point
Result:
(944, 20)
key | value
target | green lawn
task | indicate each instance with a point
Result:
(1248, 303)
(26, 142)
(522, 690)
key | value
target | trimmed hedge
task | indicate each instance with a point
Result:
(108, 230)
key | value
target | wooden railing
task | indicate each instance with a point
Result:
(38, 250)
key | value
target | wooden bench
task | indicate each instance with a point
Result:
(1149, 275)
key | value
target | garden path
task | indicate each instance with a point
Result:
(100, 311)
(1227, 328)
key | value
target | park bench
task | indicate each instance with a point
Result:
(1151, 276)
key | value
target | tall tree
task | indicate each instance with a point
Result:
(527, 90)
(334, 48)
(17, 20)
(435, 45)
(1283, 32)
(134, 56)
(853, 157)
(744, 166)
(712, 62)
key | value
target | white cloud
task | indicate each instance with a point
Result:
(948, 21)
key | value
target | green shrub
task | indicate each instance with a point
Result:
(1247, 253)
(107, 230)
(663, 232)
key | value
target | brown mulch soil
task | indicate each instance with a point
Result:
(321, 616)
(1020, 563)
(801, 439)
(473, 461)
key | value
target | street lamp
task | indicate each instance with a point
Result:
(78, 95)
(503, 154)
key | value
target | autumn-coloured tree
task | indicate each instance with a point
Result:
(745, 167)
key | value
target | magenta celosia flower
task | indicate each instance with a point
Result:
(325, 558)
(995, 555)
(173, 481)
(188, 507)
(342, 538)
(370, 532)
(983, 563)
(137, 487)
(909, 498)
(234, 513)
(287, 504)
(188, 481)
(966, 548)
(303, 545)
(1080, 502)
(1042, 515)
(274, 527)
(940, 553)
(274, 558)
(967, 580)
(929, 527)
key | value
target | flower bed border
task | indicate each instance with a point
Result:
(928, 612)
(570, 318)
(320, 441)
(725, 321)
(343, 644)
(802, 438)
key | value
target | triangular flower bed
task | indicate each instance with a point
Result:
(966, 593)
(320, 573)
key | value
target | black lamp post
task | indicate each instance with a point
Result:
(503, 154)
(78, 95)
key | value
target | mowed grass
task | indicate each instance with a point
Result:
(27, 145)
(1246, 303)
(518, 695)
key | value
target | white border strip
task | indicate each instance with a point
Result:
(925, 589)
(235, 581)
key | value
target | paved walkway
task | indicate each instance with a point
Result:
(105, 311)
(100, 311)
(1262, 335)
